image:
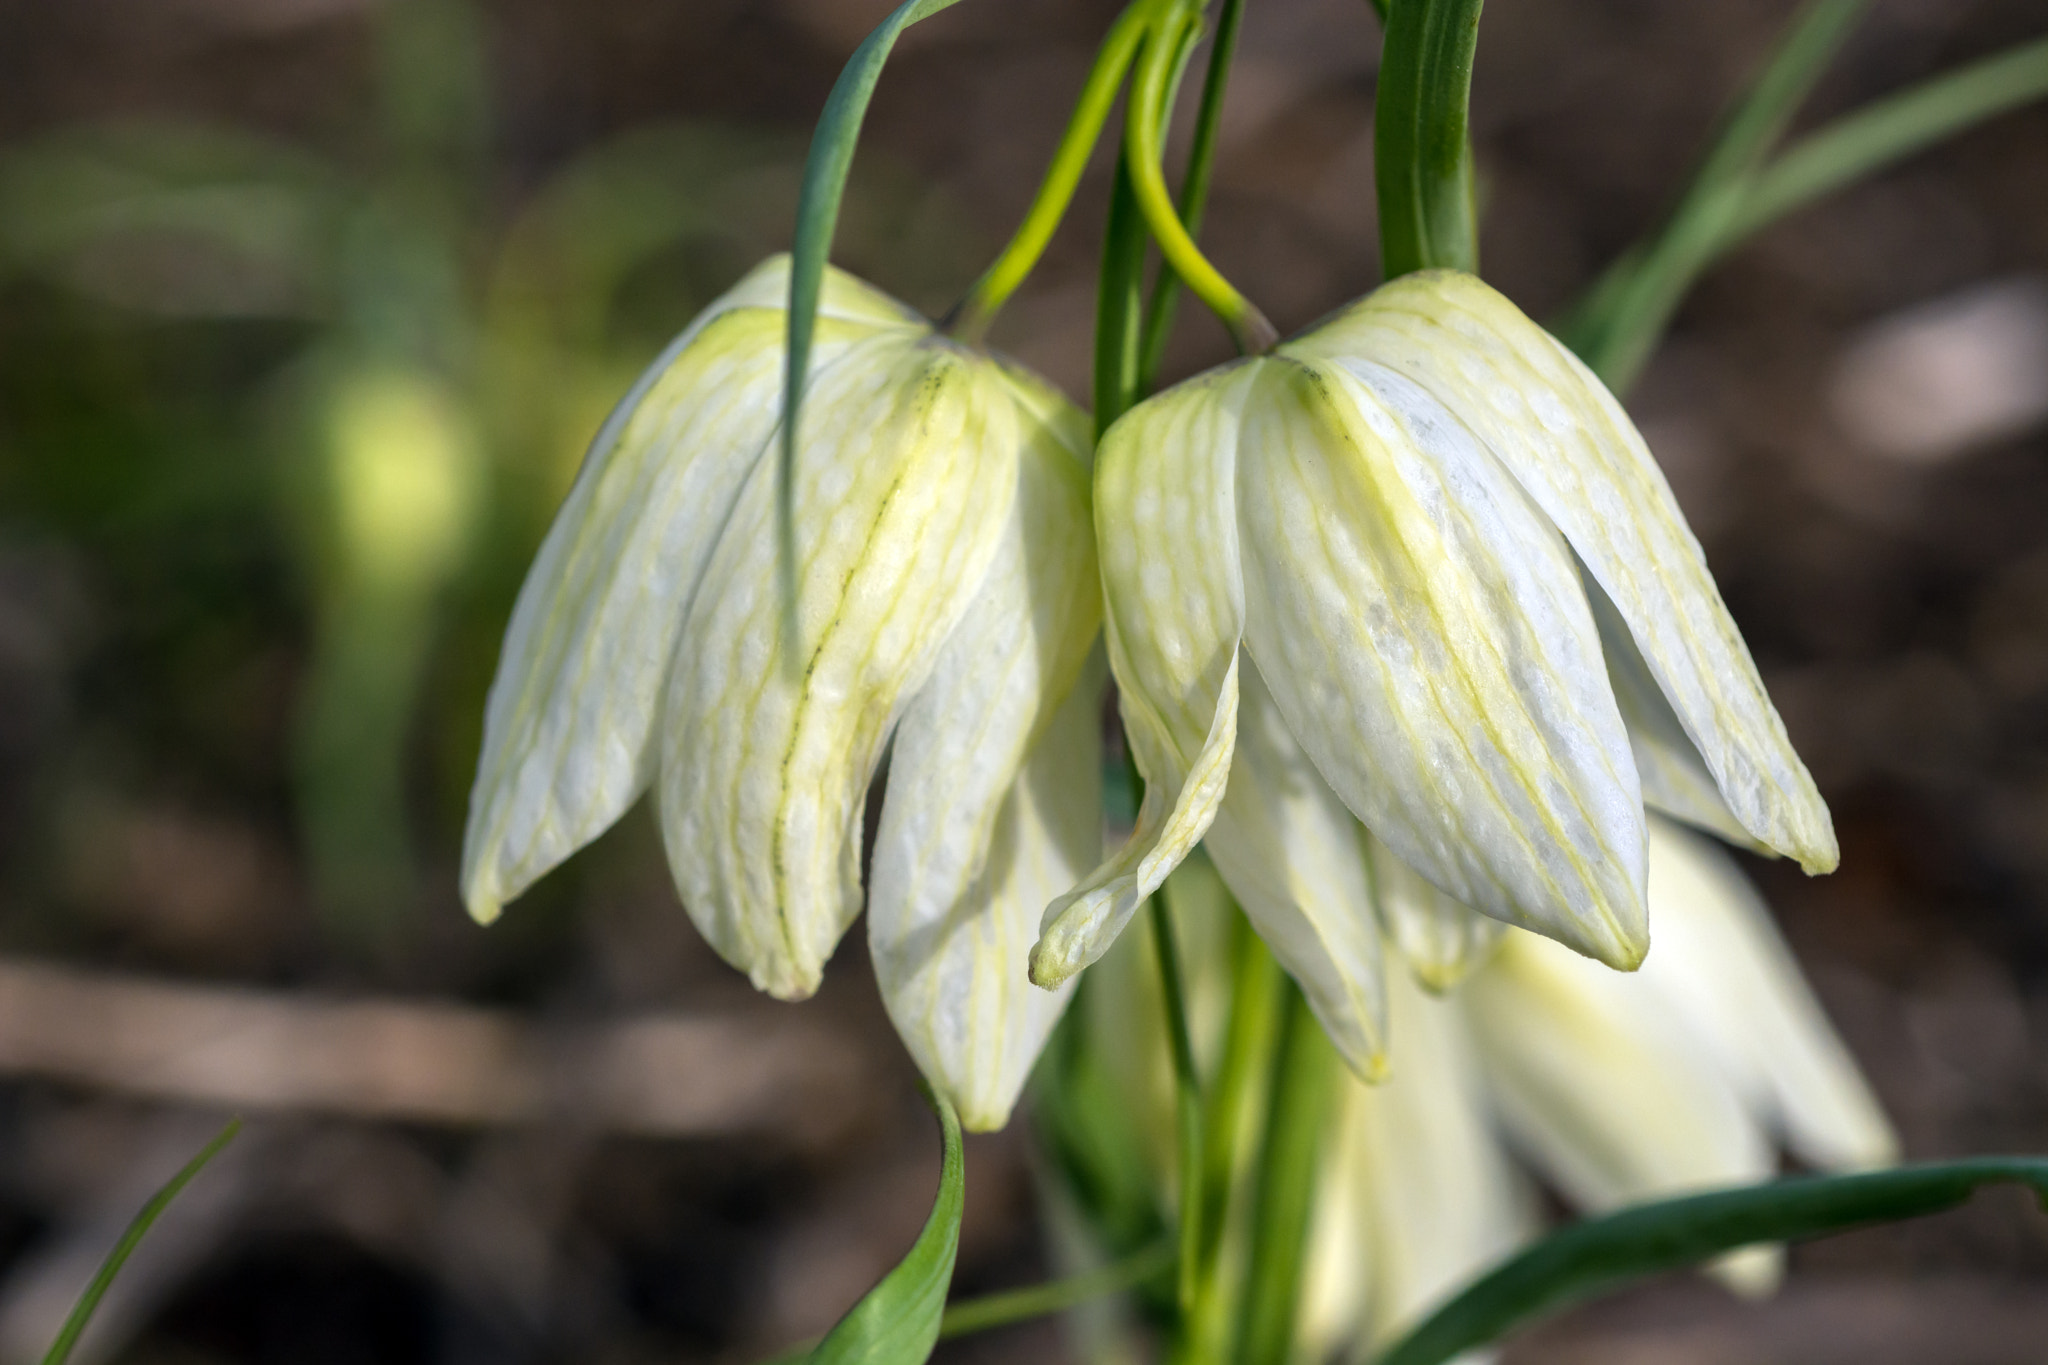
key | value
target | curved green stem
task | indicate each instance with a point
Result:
(1144, 135)
(1062, 177)
(1194, 189)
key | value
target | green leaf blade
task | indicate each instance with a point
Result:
(897, 1322)
(89, 1302)
(817, 217)
(1605, 1253)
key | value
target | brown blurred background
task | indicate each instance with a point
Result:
(246, 245)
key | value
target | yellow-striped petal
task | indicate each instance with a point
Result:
(904, 483)
(1423, 632)
(974, 839)
(1442, 940)
(1552, 422)
(1725, 970)
(1173, 615)
(1292, 855)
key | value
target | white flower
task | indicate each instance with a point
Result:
(947, 597)
(1416, 569)
(1618, 1088)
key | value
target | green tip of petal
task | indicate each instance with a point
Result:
(1050, 968)
(485, 909)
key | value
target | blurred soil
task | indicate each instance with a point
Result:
(1893, 587)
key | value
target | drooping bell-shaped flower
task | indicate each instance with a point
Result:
(946, 599)
(1417, 570)
(1687, 1075)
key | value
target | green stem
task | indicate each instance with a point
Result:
(1119, 297)
(1187, 1107)
(1194, 189)
(1144, 135)
(1039, 1300)
(1304, 1071)
(1062, 177)
(1421, 144)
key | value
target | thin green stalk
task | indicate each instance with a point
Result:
(1119, 297)
(1255, 999)
(1144, 134)
(1041, 1300)
(1421, 147)
(1856, 145)
(1304, 1075)
(1632, 304)
(81, 1312)
(1187, 1093)
(1194, 189)
(1062, 177)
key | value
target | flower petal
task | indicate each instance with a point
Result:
(904, 484)
(973, 839)
(1442, 940)
(1721, 963)
(1174, 611)
(1424, 634)
(1553, 423)
(566, 730)
(1292, 855)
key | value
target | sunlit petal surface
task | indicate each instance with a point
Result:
(1174, 613)
(1293, 856)
(903, 486)
(1580, 458)
(1423, 632)
(968, 852)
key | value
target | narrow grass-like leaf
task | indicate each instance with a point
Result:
(897, 1323)
(1421, 148)
(817, 216)
(1605, 1253)
(1853, 146)
(81, 1312)
(1629, 306)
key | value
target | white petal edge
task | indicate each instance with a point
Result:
(1555, 425)
(973, 838)
(905, 480)
(1173, 613)
(1723, 965)
(1292, 856)
(1424, 633)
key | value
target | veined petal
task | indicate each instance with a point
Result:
(1675, 777)
(1724, 968)
(1553, 423)
(1173, 615)
(1600, 1084)
(904, 484)
(1418, 1194)
(1292, 855)
(566, 746)
(1442, 940)
(973, 840)
(1424, 634)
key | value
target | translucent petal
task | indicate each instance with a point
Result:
(968, 851)
(1724, 968)
(1442, 940)
(1423, 631)
(1174, 611)
(1553, 424)
(1418, 1195)
(904, 486)
(1292, 855)
(566, 729)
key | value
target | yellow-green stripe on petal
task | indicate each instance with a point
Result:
(1424, 635)
(1556, 427)
(1166, 532)
(903, 486)
(994, 797)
